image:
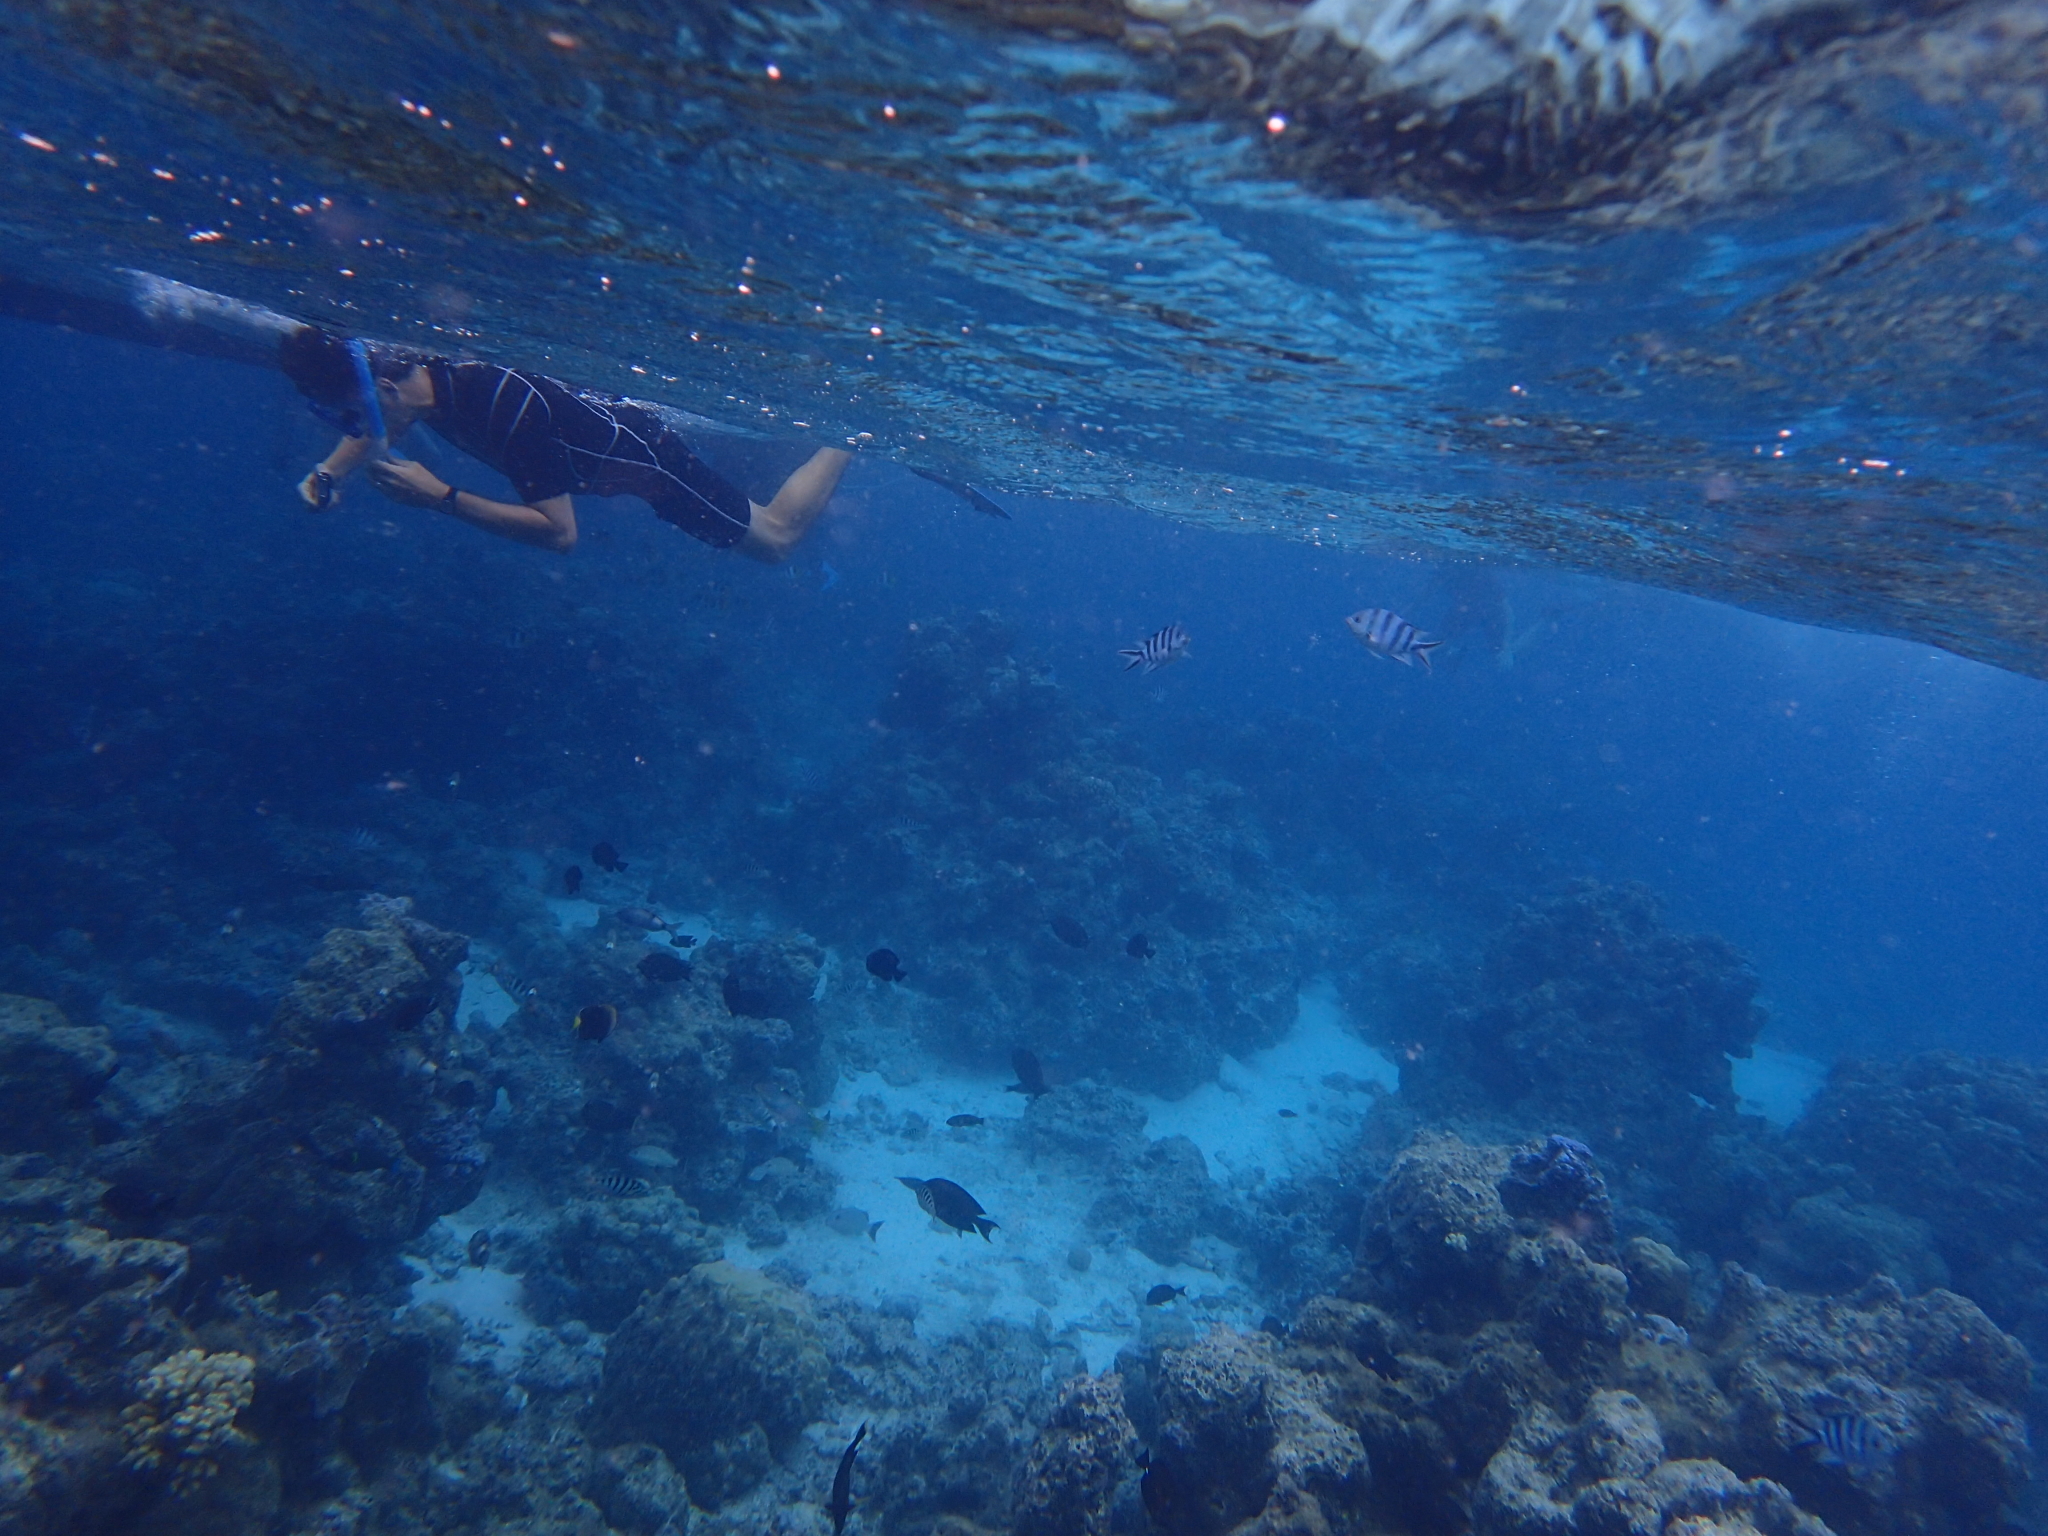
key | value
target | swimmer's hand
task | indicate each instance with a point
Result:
(319, 490)
(407, 481)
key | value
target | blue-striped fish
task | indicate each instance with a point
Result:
(1385, 633)
(1852, 1440)
(1155, 651)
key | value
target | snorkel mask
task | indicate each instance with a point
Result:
(366, 418)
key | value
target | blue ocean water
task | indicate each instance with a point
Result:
(1603, 1065)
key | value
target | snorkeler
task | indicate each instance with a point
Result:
(549, 439)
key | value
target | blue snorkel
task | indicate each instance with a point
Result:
(373, 411)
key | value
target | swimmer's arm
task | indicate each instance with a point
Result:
(337, 466)
(549, 524)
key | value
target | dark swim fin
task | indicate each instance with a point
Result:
(979, 500)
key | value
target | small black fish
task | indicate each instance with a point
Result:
(605, 1116)
(624, 1185)
(1161, 1492)
(1030, 1076)
(840, 1505)
(572, 879)
(606, 857)
(1288, 1114)
(951, 1204)
(1070, 932)
(883, 963)
(664, 970)
(1162, 1293)
(1140, 947)
(595, 1022)
(682, 940)
(480, 1247)
(961, 1122)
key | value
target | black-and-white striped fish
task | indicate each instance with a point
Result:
(1852, 1440)
(1155, 651)
(624, 1186)
(1385, 633)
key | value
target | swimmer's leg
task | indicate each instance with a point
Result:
(775, 530)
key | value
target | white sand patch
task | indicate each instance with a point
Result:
(1776, 1084)
(490, 1302)
(1320, 1071)
(877, 1131)
(484, 999)
(573, 913)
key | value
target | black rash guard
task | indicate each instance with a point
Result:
(551, 440)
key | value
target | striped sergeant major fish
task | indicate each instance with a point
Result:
(1385, 633)
(1854, 1441)
(624, 1186)
(1155, 651)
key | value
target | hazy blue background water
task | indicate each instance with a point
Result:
(1862, 816)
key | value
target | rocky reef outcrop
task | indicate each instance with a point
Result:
(1503, 1360)
(348, 1136)
(1246, 1442)
(1945, 1159)
(719, 1368)
(1589, 1014)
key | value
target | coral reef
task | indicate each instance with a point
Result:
(1069, 1481)
(719, 1368)
(183, 1416)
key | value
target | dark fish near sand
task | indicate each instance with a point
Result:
(884, 964)
(840, 1505)
(1386, 633)
(1069, 932)
(1288, 1114)
(951, 1204)
(480, 1247)
(624, 1186)
(1140, 947)
(595, 1022)
(961, 1122)
(1030, 1075)
(605, 1116)
(572, 879)
(606, 857)
(1851, 1440)
(1161, 1294)
(664, 970)
(1157, 650)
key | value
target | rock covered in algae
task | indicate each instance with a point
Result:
(183, 1418)
(1069, 1481)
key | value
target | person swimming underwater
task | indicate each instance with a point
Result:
(550, 439)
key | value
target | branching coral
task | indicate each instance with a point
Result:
(185, 1415)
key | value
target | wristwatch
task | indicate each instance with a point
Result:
(447, 501)
(323, 490)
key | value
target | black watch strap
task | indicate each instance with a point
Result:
(447, 502)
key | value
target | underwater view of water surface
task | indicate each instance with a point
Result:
(1023, 767)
